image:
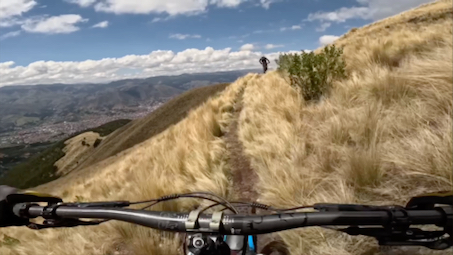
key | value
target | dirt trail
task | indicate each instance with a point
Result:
(244, 177)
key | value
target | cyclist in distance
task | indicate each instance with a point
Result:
(264, 61)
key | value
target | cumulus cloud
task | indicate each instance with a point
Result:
(327, 39)
(11, 10)
(82, 3)
(10, 34)
(108, 69)
(102, 24)
(62, 24)
(323, 27)
(183, 36)
(294, 27)
(368, 10)
(171, 7)
(273, 46)
(247, 47)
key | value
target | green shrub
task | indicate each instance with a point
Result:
(312, 73)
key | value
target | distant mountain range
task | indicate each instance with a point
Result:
(32, 105)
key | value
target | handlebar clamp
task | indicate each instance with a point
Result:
(396, 221)
(192, 221)
(215, 221)
(49, 211)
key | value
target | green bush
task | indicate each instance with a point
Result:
(312, 73)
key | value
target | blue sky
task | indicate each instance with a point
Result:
(50, 41)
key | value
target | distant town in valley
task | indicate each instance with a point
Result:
(55, 129)
(32, 114)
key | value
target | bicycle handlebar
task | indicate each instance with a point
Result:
(229, 224)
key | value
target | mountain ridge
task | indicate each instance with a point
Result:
(27, 106)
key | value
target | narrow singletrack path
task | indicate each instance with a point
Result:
(244, 177)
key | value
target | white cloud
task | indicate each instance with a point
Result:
(157, 19)
(171, 7)
(11, 10)
(82, 3)
(62, 24)
(327, 39)
(183, 36)
(247, 47)
(273, 46)
(369, 10)
(323, 27)
(162, 19)
(227, 3)
(341, 15)
(154, 64)
(102, 24)
(267, 3)
(294, 27)
(10, 34)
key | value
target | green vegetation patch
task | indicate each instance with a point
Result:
(9, 241)
(313, 74)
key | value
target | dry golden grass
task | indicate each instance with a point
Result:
(75, 151)
(382, 136)
(140, 130)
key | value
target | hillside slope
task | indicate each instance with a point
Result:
(76, 150)
(142, 129)
(382, 136)
(70, 154)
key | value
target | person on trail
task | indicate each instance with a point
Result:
(264, 61)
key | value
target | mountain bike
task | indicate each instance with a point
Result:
(226, 231)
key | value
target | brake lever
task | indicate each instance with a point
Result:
(394, 234)
(405, 237)
(442, 243)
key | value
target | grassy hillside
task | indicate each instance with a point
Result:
(142, 129)
(76, 150)
(382, 136)
(40, 168)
